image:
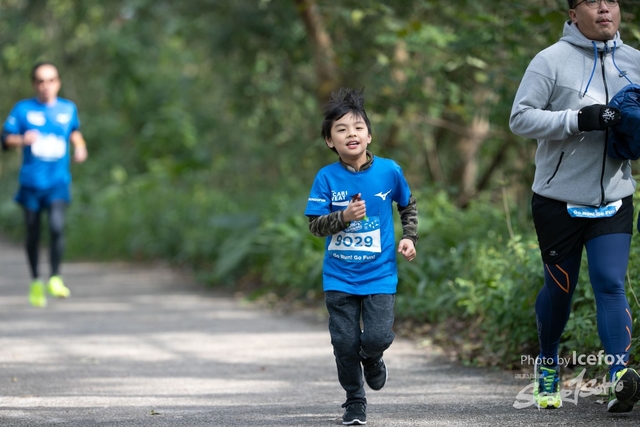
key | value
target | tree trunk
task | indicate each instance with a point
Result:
(468, 148)
(324, 56)
(433, 158)
(399, 78)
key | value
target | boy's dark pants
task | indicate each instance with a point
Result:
(353, 346)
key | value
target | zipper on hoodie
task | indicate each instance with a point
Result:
(556, 170)
(603, 55)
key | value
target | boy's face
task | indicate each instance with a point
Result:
(350, 137)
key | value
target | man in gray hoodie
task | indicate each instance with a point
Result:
(582, 198)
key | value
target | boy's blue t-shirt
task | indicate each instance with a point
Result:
(361, 259)
(45, 163)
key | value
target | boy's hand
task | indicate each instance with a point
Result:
(407, 249)
(356, 210)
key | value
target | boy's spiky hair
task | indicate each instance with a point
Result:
(340, 103)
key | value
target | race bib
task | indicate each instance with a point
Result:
(360, 242)
(609, 210)
(49, 148)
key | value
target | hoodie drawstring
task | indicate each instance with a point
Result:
(613, 58)
(595, 62)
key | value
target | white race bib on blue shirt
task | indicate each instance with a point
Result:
(49, 147)
(360, 242)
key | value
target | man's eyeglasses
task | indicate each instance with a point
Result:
(594, 4)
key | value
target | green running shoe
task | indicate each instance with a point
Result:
(37, 294)
(625, 391)
(546, 390)
(57, 288)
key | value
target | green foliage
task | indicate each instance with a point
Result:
(290, 256)
(472, 273)
(151, 216)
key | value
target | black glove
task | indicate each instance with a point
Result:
(597, 117)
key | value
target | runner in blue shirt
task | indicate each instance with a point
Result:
(351, 205)
(43, 127)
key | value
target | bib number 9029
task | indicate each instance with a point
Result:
(356, 241)
(365, 242)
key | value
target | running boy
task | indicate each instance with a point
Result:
(351, 205)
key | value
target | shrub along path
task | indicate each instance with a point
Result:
(146, 346)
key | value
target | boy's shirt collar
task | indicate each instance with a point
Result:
(364, 167)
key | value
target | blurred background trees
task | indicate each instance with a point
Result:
(203, 125)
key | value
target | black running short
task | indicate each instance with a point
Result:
(560, 234)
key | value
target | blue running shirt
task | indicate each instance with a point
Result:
(361, 259)
(45, 164)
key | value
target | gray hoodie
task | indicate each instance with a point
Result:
(575, 72)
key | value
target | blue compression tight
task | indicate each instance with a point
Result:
(607, 257)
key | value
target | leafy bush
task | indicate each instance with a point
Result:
(474, 276)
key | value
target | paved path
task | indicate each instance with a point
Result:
(145, 346)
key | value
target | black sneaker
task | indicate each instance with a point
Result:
(355, 414)
(625, 391)
(375, 374)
